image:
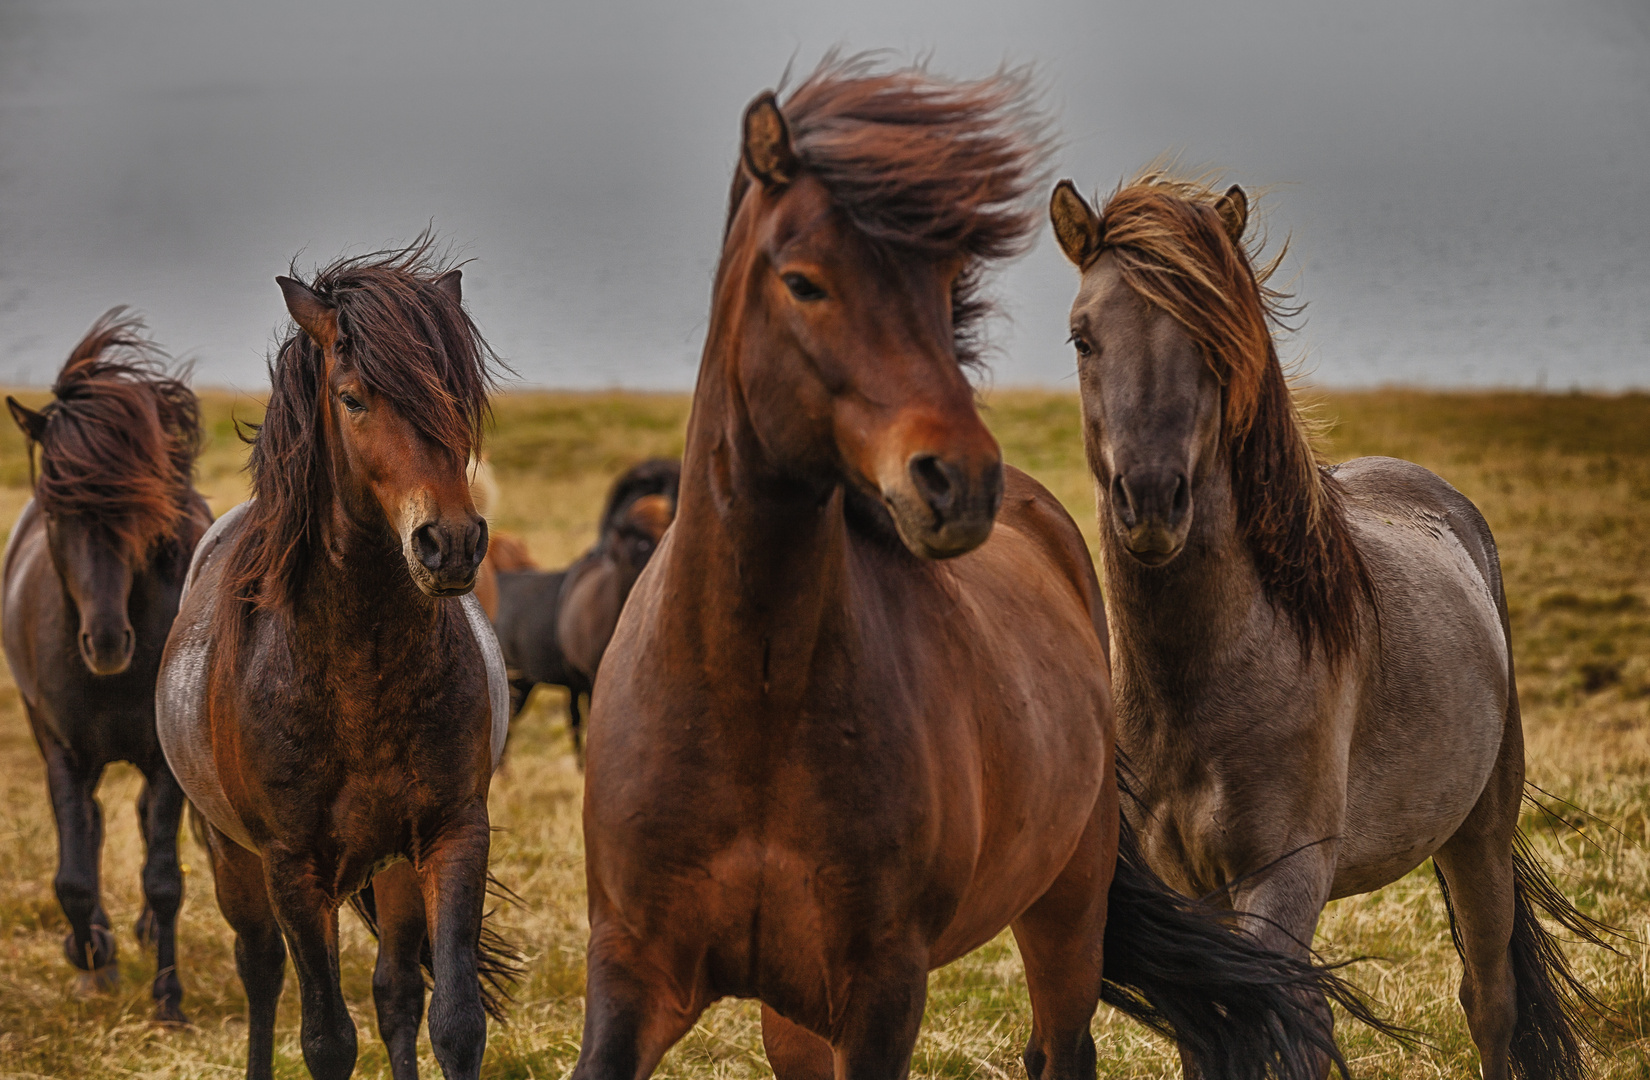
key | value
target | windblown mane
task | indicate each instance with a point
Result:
(924, 165)
(413, 345)
(120, 439)
(1172, 248)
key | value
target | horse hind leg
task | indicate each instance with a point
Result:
(1517, 991)
(260, 951)
(160, 810)
(89, 945)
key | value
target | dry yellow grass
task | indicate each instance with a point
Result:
(1564, 481)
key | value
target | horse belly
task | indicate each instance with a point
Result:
(1433, 716)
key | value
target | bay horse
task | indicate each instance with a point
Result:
(332, 698)
(855, 719)
(92, 574)
(1314, 674)
(555, 625)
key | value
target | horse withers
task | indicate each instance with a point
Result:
(92, 574)
(332, 697)
(1314, 675)
(855, 719)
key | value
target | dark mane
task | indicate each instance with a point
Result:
(413, 345)
(120, 439)
(1172, 249)
(655, 476)
(925, 165)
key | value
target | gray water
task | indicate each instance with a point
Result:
(1466, 186)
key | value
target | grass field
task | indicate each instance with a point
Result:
(1563, 480)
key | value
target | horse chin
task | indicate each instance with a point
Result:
(105, 666)
(1153, 546)
(927, 539)
(430, 585)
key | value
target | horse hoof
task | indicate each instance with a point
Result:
(147, 928)
(169, 1014)
(98, 954)
(100, 982)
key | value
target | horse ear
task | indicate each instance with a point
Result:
(1076, 225)
(1233, 208)
(450, 284)
(310, 312)
(767, 144)
(32, 423)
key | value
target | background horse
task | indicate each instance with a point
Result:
(332, 699)
(554, 626)
(1314, 676)
(822, 762)
(92, 574)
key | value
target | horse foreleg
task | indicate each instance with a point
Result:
(260, 952)
(1287, 900)
(634, 1009)
(453, 874)
(1060, 938)
(794, 1052)
(397, 982)
(89, 944)
(161, 810)
(877, 1029)
(309, 920)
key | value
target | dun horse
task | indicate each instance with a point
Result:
(92, 575)
(846, 731)
(1314, 675)
(332, 698)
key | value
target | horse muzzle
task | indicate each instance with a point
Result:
(1152, 509)
(445, 556)
(944, 508)
(107, 645)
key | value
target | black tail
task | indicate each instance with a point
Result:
(498, 962)
(1237, 1009)
(1548, 1038)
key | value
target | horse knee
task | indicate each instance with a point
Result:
(329, 1051)
(458, 1035)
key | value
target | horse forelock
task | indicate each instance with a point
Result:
(1172, 249)
(120, 438)
(923, 165)
(412, 344)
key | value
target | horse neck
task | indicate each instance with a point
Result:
(358, 596)
(757, 568)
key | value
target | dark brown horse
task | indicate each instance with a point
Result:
(93, 570)
(332, 697)
(1314, 666)
(847, 731)
(554, 626)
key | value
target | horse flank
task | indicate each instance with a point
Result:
(1173, 250)
(413, 344)
(120, 438)
(924, 166)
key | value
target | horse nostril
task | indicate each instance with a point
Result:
(933, 480)
(478, 542)
(1182, 500)
(1121, 502)
(426, 544)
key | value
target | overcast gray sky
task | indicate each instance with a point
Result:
(1467, 184)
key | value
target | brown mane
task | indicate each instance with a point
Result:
(924, 165)
(120, 438)
(413, 345)
(1172, 249)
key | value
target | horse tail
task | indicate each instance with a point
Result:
(498, 962)
(1550, 1031)
(1238, 1010)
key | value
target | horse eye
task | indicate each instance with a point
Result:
(352, 403)
(802, 288)
(1083, 347)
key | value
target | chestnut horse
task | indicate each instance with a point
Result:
(1314, 671)
(92, 575)
(847, 731)
(332, 698)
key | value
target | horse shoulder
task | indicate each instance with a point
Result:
(27, 561)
